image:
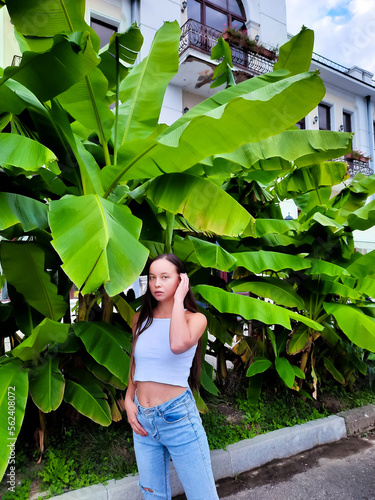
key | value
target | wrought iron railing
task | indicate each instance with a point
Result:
(334, 65)
(328, 62)
(355, 166)
(203, 38)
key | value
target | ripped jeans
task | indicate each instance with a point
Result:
(174, 431)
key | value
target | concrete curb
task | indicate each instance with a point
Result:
(359, 420)
(247, 454)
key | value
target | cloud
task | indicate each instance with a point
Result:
(344, 30)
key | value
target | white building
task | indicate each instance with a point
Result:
(349, 101)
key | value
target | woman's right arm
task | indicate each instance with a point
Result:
(130, 407)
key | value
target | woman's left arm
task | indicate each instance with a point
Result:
(185, 331)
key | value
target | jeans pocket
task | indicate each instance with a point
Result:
(175, 414)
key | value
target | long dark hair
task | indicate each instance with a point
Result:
(146, 317)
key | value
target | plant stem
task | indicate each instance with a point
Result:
(117, 99)
(98, 121)
(123, 172)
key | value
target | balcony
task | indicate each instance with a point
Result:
(355, 166)
(201, 38)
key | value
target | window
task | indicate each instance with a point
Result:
(104, 30)
(324, 113)
(301, 124)
(347, 121)
(218, 14)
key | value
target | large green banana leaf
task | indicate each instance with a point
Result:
(308, 202)
(363, 218)
(47, 332)
(97, 241)
(50, 73)
(366, 286)
(285, 370)
(304, 147)
(205, 205)
(275, 289)
(333, 370)
(96, 335)
(184, 249)
(103, 374)
(295, 55)
(23, 264)
(127, 313)
(10, 102)
(298, 340)
(125, 46)
(13, 397)
(224, 128)
(22, 152)
(222, 72)
(88, 398)
(229, 93)
(267, 226)
(142, 92)
(310, 178)
(363, 266)
(325, 287)
(87, 102)
(260, 365)
(89, 169)
(250, 308)
(51, 17)
(356, 325)
(323, 267)
(216, 328)
(281, 240)
(16, 209)
(212, 255)
(262, 260)
(47, 384)
(323, 221)
(206, 378)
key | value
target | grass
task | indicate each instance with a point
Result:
(88, 454)
(274, 410)
(83, 455)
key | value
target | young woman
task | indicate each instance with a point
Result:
(159, 403)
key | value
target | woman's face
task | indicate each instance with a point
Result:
(163, 279)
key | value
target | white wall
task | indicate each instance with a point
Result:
(172, 105)
(152, 17)
(8, 44)
(272, 19)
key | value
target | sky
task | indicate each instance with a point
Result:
(344, 29)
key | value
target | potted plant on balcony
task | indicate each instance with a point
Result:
(263, 51)
(355, 154)
(240, 37)
(236, 36)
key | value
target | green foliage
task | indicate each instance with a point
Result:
(22, 491)
(278, 409)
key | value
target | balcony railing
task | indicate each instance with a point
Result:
(355, 166)
(203, 38)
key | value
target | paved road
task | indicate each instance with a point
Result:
(339, 471)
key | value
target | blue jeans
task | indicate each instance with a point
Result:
(174, 431)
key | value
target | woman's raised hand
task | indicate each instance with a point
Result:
(182, 288)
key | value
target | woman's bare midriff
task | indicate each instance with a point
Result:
(154, 394)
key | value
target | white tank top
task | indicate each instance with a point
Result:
(154, 360)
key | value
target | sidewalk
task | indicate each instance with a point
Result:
(248, 454)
